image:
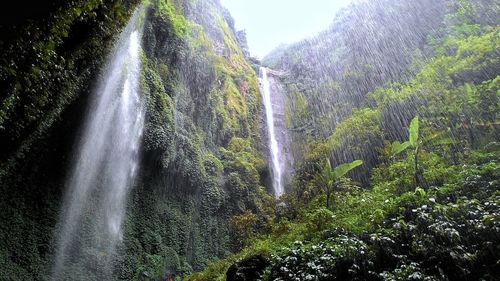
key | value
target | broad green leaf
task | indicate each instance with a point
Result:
(326, 174)
(414, 131)
(420, 192)
(398, 147)
(327, 167)
(343, 169)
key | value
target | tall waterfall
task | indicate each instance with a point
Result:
(104, 167)
(273, 143)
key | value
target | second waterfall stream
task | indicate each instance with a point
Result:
(272, 136)
(104, 166)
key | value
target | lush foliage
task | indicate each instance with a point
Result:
(47, 66)
(201, 164)
(201, 194)
(425, 204)
(430, 207)
(449, 231)
(329, 177)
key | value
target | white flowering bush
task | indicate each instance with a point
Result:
(336, 258)
(446, 233)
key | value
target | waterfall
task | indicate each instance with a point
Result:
(104, 167)
(273, 143)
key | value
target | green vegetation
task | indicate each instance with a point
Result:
(201, 164)
(425, 203)
(202, 167)
(46, 70)
(397, 147)
(173, 16)
(388, 233)
(407, 198)
(330, 177)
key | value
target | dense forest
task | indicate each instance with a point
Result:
(386, 124)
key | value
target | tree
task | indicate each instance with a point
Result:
(243, 227)
(412, 142)
(329, 176)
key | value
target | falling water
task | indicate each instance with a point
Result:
(273, 143)
(105, 166)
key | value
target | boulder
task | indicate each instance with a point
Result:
(248, 269)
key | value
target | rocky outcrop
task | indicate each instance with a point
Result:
(249, 269)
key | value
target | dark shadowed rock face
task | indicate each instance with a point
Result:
(49, 61)
(248, 269)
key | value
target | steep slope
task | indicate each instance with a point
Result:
(201, 156)
(48, 62)
(370, 45)
(201, 161)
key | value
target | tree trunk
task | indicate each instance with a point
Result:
(417, 172)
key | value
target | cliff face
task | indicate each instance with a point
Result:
(48, 63)
(201, 162)
(201, 145)
(371, 45)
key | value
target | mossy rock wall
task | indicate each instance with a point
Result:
(200, 161)
(47, 68)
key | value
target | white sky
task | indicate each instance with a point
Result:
(271, 22)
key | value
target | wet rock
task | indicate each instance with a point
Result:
(249, 269)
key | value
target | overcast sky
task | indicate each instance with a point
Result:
(271, 22)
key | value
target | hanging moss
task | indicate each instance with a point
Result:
(200, 108)
(173, 14)
(47, 67)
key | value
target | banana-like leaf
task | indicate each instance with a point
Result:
(326, 173)
(327, 167)
(414, 131)
(398, 147)
(343, 169)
